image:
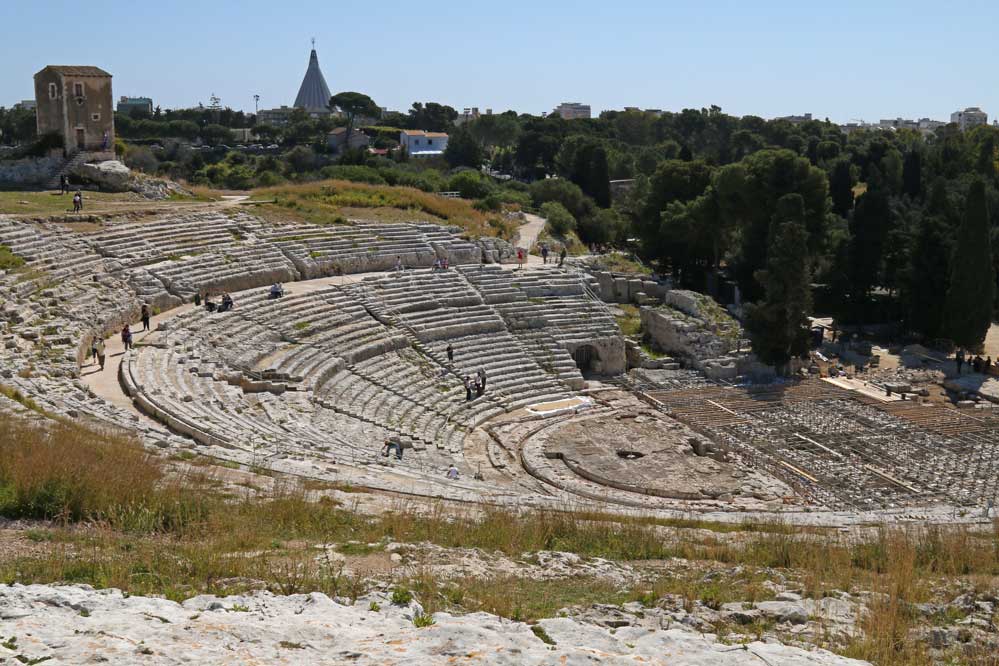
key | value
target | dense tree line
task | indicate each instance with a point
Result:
(892, 226)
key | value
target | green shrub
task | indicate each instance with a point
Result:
(401, 596)
(559, 220)
(471, 184)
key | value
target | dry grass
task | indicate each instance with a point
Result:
(326, 200)
(125, 520)
(68, 473)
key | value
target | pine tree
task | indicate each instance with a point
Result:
(778, 326)
(972, 283)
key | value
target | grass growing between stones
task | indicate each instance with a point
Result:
(631, 321)
(327, 200)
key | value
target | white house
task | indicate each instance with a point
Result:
(423, 144)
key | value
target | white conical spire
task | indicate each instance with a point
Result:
(313, 94)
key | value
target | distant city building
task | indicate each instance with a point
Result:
(796, 120)
(470, 114)
(423, 144)
(572, 110)
(128, 104)
(925, 126)
(635, 109)
(276, 117)
(969, 118)
(26, 104)
(242, 134)
(75, 102)
(338, 137)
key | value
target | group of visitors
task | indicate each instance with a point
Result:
(474, 384)
(225, 305)
(98, 348)
(546, 252)
(977, 364)
(439, 265)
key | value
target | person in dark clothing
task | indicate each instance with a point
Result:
(468, 389)
(197, 299)
(145, 317)
(561, 256)
(544, 253)
(479, 388)
(226, 303)
(482, 380)
(959, 360)
(450, 353)
(64, 184)
(126, 337)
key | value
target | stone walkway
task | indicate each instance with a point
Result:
(106, 385)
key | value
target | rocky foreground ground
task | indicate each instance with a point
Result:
(81, 625)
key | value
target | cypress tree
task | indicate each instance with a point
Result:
(778, 326)
(929, 277)
(912, 174)
(972, 283)
(841, 187)
(599, 178)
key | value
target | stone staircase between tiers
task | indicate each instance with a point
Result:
(66, 168)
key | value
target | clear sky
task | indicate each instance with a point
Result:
(843, 60)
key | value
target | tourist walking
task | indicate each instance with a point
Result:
(126, 337)
(520, 258)
(93, 346)
(482, 379)
(450, 353)
(959, 360)
(398, 264)
(468, 389)
(145, 317)
(64, 184)
(544, 253)
(561, 256)
(100, 351)
(77, 202)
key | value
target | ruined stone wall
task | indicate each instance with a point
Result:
(29, 171)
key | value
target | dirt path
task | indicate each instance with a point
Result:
(530, 230)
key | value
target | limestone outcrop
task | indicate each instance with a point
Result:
(72, 624)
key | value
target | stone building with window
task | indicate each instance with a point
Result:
(75, 102)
